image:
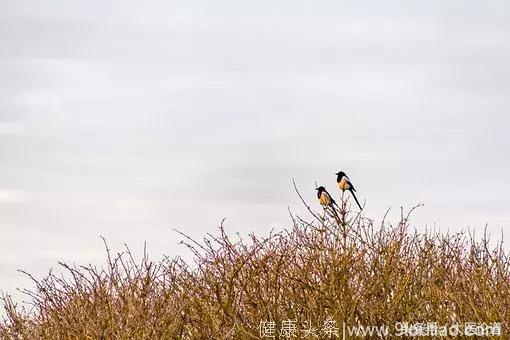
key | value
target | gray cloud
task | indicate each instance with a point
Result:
(125, 120)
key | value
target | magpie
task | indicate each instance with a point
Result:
(324, 197)
(344, 183)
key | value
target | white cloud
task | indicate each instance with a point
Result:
(11, 128)
(12, 196)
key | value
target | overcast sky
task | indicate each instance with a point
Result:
(127, 120)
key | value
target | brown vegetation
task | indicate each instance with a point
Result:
(340, 266)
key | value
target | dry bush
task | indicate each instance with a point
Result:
(339, 265)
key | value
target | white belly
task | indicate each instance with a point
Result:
(344, 184)
(324, 200)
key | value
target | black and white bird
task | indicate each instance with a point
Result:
(344, 183)
(324, 197)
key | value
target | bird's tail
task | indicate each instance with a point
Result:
(337, 218)
(353, 195)
(334, 204)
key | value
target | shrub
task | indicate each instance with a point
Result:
(338, 267)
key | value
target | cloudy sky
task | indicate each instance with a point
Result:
(127, 120)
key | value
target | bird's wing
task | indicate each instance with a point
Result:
(350, 183)
(330, 197)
